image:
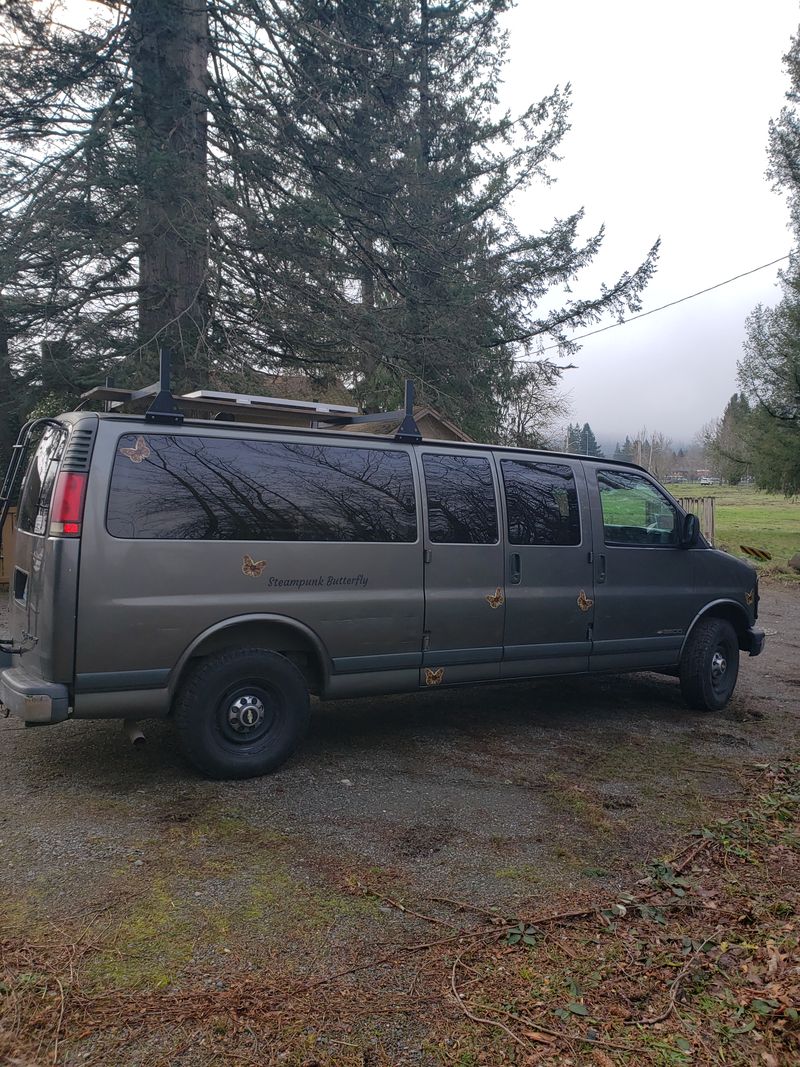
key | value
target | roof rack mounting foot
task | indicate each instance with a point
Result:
(164, 408)
(409, 431)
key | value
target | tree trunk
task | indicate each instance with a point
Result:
(10, 416)
(169, 56)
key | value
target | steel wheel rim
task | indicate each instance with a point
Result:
(720, 672)
(247, 712)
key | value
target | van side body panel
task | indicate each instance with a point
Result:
(143, 602)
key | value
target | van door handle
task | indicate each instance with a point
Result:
(515, 574)
(601, 570)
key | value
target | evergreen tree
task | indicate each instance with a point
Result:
(727, 440)
(588, 442)
(625, 451)
(265, 183)
(769, 371)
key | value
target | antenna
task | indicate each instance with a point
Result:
(164, 408)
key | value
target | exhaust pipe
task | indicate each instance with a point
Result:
(132, 731)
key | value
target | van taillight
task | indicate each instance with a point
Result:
(66, 511)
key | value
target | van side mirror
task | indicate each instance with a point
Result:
(690, 531)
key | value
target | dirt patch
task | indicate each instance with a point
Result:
(510, 798)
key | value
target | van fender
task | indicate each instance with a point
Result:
(733, 611)
(304, 634)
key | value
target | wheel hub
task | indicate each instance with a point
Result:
(718, 665)
(246, 713)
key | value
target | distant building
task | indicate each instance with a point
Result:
(288, 400)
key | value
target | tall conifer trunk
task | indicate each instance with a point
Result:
(9, 413)
(169, 61)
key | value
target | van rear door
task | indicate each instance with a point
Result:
(44, 576)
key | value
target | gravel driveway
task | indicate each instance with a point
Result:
(495, 795)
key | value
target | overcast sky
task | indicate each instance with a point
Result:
(671, 103)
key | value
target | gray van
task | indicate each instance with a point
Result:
(220, 573)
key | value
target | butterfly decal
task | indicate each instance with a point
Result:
(434, 677)
(495, 599)
(252, 567)
(584, 603)
(140, 451)
(749, 597)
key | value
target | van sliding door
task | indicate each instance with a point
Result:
(464, 587)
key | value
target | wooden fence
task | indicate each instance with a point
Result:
(7, 547)
(703, 508)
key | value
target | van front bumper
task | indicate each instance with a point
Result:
(753, 642)
(32, 699)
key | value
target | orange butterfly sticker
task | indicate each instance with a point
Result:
(584, 603)
(434, 677)
(140, 451)
(251, 567)
(496, 598)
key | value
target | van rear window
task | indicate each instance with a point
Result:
(37, 489)
(217, 488)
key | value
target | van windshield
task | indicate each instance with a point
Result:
(37, 489)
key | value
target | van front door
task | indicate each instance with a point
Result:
(644, 580)
(464, 588)
(550, 600)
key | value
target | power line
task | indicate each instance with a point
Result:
(672, 303)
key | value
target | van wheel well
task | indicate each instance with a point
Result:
(274, 637)
(734, 615)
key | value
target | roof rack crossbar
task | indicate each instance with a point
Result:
(408, 430)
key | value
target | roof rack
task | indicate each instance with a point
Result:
(165, 409)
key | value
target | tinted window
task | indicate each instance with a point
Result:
(634, 511)
(542, 503)
(227, 489)
(39, 480)
(461, 502)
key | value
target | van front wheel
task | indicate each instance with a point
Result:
(710, 665)
(241, 713)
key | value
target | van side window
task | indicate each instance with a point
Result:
(634, 511)
(34, 506)
(541, 502)
(462, 509)
(219, 488)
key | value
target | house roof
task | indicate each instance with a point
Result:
(302, 387)
(424, 414)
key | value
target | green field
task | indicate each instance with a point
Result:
(748, 516)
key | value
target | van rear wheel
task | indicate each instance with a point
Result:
(710, 665)
(241, 713)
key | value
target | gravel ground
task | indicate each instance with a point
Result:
(502, 795)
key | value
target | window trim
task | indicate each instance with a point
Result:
(644, 477)
(378, 446)
(582, 512)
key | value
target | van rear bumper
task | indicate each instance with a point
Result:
(32, 699)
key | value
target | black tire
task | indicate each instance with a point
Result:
(241, 713)
(710, 665)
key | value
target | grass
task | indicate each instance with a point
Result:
(748, 516)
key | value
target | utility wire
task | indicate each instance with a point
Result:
(672, 303)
